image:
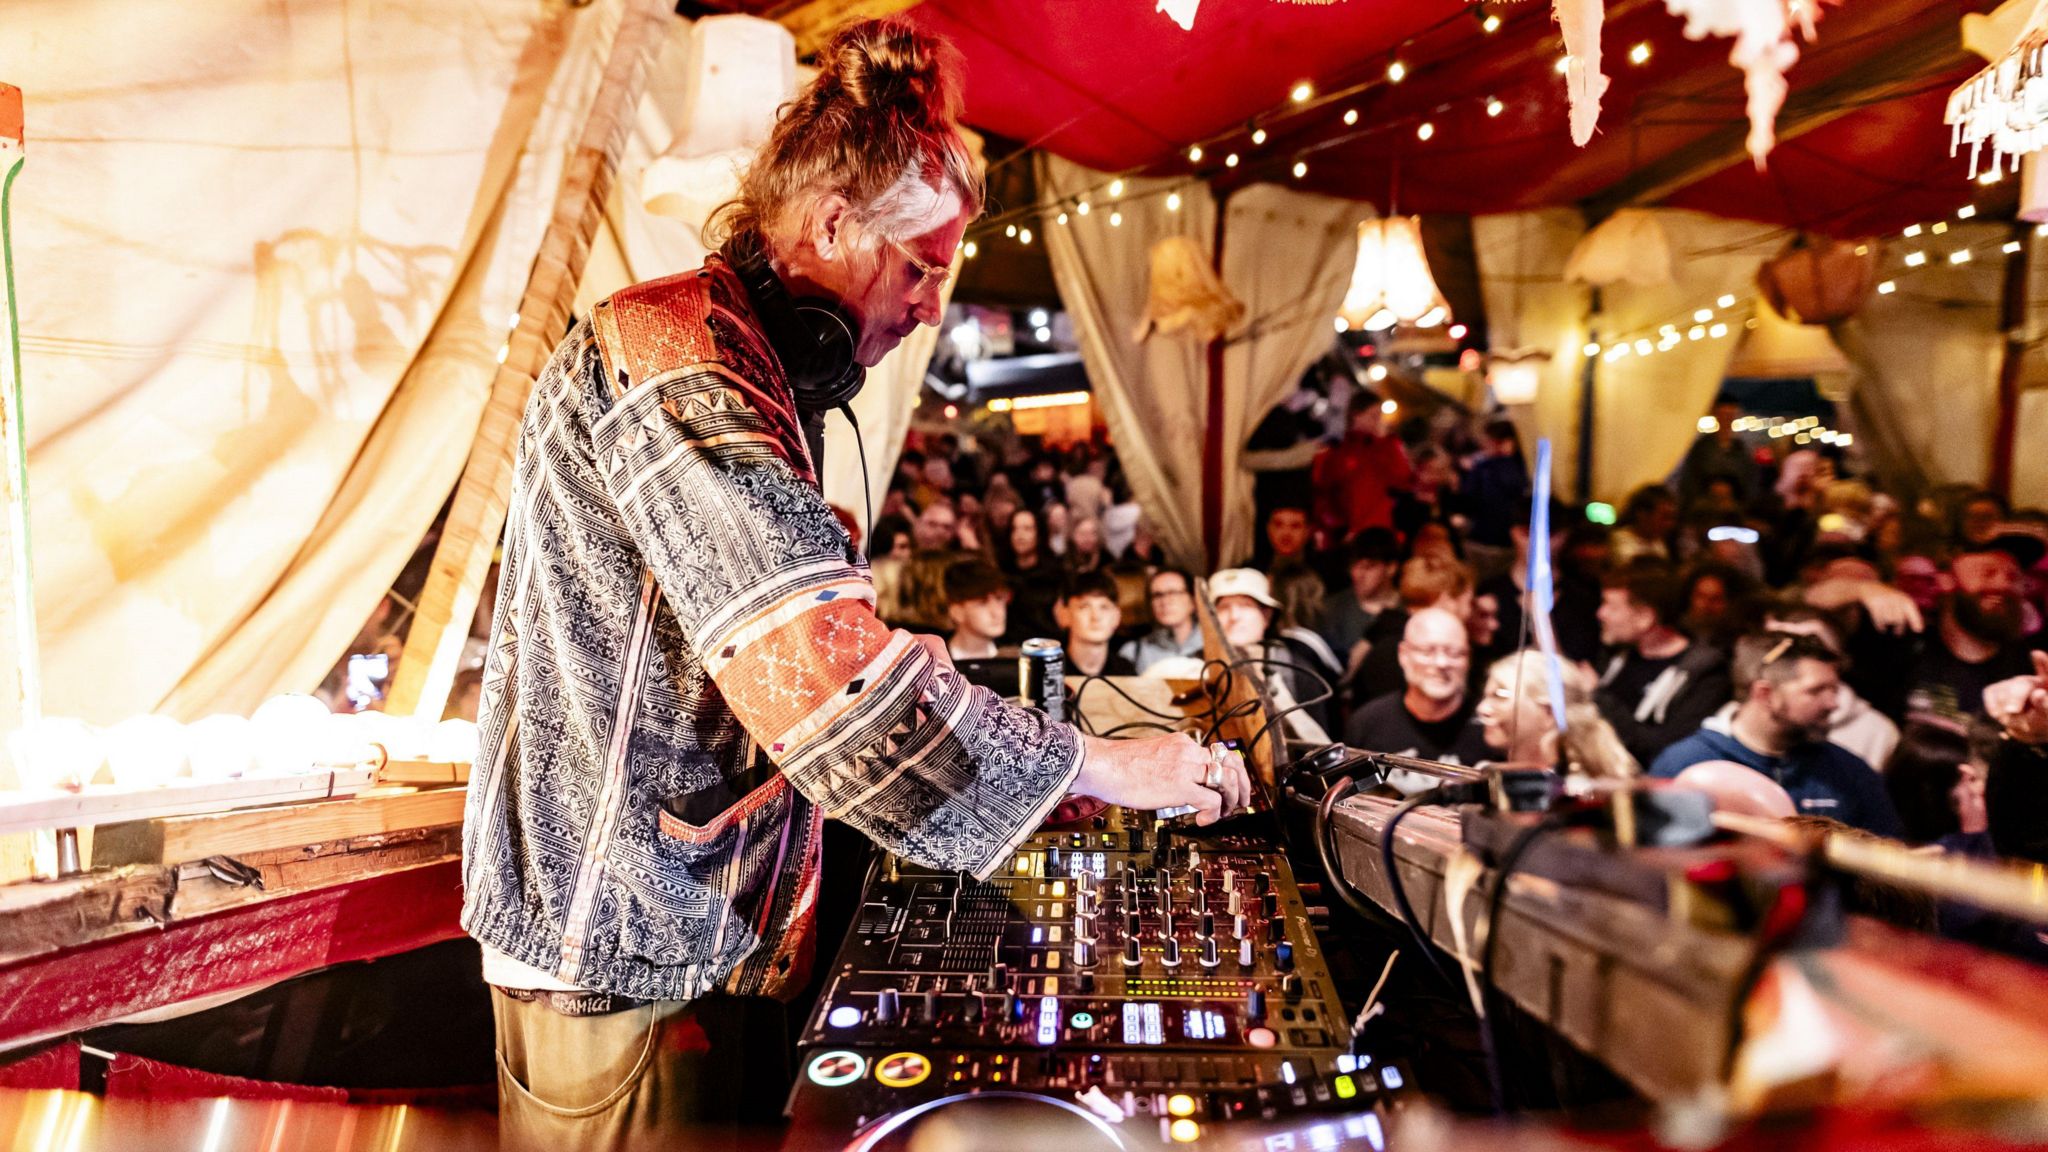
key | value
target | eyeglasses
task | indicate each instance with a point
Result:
(929, 276)
(1438, 653)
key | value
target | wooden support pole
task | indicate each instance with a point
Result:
(426, 671)
(2012, 320)
(1212, 434)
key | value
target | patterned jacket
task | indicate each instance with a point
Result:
(676, 595)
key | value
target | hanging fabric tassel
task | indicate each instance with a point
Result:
(1580, 22)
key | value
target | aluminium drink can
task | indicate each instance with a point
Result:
(1042, 677)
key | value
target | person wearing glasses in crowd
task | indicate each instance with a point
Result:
(1176, 638)
(1431, 717)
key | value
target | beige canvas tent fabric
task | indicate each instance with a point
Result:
(260, 292)
(1153, 394)
(1646, 408)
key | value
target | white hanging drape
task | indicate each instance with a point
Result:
(1288, 256)
(1152, 394)
(1530, 304)
(260, 292)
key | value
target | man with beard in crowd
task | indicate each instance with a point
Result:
(1786, 687)
(1940, 672)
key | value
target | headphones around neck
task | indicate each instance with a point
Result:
(814, 337)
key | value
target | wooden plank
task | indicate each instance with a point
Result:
(49, 916)
(176, 840)
(422, 772)
(112, 803)
(812, 22)
(476, 517)
(302, 869)
(1644, 994)
(1245, 689)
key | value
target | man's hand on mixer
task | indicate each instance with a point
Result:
(1166, 771)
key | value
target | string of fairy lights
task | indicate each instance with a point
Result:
(1236, 150)
(1924, 250)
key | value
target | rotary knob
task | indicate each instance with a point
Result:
(1269, 905)
(1276, 931)
(1255, 1005)
(1207, 931)
(1132, 925)
(888, 1007)
(1171, 957)
(1263, 883)
(1210, 957)
(1236, 903)
(1245, 956)
(1290, 985)
(1201, 898)
(1084, 953)
(998, 977)
(1240, 927)
(1131, 956)
(1283, 956)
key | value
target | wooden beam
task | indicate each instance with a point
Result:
(179, 839)
(812, 22)
(476, 518)
(1927, 46)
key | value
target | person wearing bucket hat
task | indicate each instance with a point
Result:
(1294, 673)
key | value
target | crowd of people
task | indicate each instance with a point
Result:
(1765, 624)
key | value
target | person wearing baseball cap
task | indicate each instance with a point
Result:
(1245, 611)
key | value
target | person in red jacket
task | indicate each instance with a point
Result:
(1355, 480)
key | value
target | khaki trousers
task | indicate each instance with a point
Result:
(708, 1073)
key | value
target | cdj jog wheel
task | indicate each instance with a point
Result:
(992, 1121)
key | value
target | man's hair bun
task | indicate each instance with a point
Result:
(889, 66)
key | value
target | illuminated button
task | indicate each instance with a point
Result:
(1346, 1087)
(1261, 1038)
(1391, 1076)
(1185, 1131)
(836, 1069)
(1180, 1104)
(1082, 1021)
(844, 1016)
(902, 1069)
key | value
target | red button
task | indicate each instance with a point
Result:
(1262, 1038)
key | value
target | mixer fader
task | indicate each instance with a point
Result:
(1143, 985)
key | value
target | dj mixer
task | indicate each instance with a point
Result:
(1120, 985)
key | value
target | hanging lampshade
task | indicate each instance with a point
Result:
(739, 70)
(1391, 283)
(1818, 280)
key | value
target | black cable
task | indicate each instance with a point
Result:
(1400, 891)
(1489, 1039)
(1154, 725)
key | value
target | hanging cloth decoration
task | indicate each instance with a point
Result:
(1186, 294)
(1579, 21)
(2006, 104)
(1764, 51)
(1628, 247)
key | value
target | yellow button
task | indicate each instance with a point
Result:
(903, 1069)
(1185, 1131)
(1181, 1104)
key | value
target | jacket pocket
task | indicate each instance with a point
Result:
(701, 885)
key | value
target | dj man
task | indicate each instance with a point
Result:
(687, 676)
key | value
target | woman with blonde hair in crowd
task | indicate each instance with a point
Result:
(1515, 710)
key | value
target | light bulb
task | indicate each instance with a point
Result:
(1397, 72)
(1302, 92)
(1195, 154)
(972, 250)
(288, 731)
(1116, 188)
(146, 750)
(1425, 131)
(1173, 201)
(1230, 161)
(1300, 169)
(1490, 24)
(1640, 54)
(1494, 107)
(56, 752)
(1024, 236)
(1350, 116)
(1258, 135)
(221, 747)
